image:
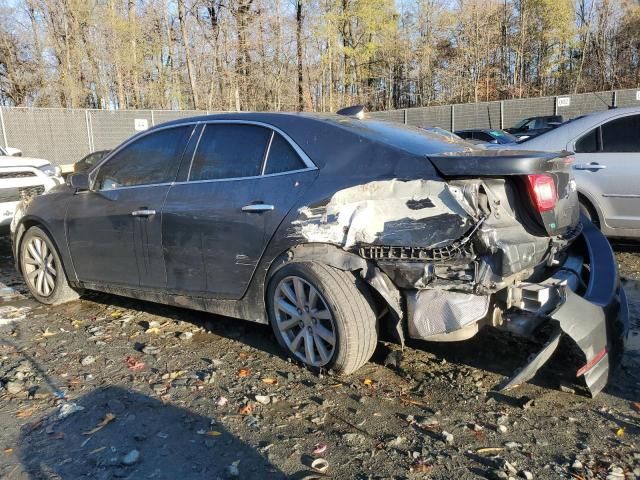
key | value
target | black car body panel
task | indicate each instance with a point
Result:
(421, 220)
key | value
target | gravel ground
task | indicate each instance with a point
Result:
(107, 387)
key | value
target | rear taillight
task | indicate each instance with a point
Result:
(542, 190)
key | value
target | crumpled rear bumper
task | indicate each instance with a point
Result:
(597, 320)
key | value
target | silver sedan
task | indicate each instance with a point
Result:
(606, 167)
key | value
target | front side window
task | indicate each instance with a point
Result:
(282, 157)
(588, 143)
(621, 135)
(153, 158)
(230, 151)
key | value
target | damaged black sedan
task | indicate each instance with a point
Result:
(329, 228)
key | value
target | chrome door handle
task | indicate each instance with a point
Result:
(143, 213)
(257, 207)
(589, 166)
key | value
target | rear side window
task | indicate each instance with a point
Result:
(229, 151)
(153, 158)
(282, 157)
(621, 135)
(588, 143)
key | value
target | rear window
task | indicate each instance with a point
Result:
(588, 143)
(282, 157)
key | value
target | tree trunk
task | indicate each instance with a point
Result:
(187, 52)
(299, 20)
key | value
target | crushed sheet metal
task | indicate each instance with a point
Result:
(585, 323)
(434, 312)
(527, 372)
(401, 211)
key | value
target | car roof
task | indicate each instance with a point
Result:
(326, 136)
(559, 136)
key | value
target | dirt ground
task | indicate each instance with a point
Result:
(107, 387)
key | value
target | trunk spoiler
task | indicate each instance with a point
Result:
(496, 163)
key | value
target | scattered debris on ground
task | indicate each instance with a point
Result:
(108, 387)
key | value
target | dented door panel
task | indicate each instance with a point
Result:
(212, 246)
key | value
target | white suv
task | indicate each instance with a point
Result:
(22, 178)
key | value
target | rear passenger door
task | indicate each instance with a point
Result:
(608, 163)
(243, 180)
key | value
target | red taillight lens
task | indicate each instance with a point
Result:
(542, 190)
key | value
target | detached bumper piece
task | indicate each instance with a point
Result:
(598, 321)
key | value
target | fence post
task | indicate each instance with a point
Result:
(453, 119)
(4, 131)
(88, 122)
(501, 114)
(404, 116)
(615, 99)
(153, 120)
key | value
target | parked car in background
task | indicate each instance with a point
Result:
(606, 166)
(487, 135)
(533, 126)
(10, 152)
(331, 229)
(87, 162)
(22, 178)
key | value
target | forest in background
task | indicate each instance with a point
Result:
(314, 55)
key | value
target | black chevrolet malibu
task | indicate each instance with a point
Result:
(329, 228)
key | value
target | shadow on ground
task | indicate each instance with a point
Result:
(173, 443)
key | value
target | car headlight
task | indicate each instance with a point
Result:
(50, 170)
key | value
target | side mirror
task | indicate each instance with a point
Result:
(79, 181)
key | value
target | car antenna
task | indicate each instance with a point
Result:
(356, 111)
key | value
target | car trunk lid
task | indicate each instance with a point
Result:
(544, 179)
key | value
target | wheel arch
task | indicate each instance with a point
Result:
(378, 283)
(592, 204)
(25, 224)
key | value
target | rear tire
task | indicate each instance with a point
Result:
(42, 269)
(322, 316)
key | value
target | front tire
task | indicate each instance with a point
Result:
(42, 269)
(322, 316)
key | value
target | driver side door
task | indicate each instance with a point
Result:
(114, 229)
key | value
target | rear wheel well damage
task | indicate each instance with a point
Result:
(388, 299)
